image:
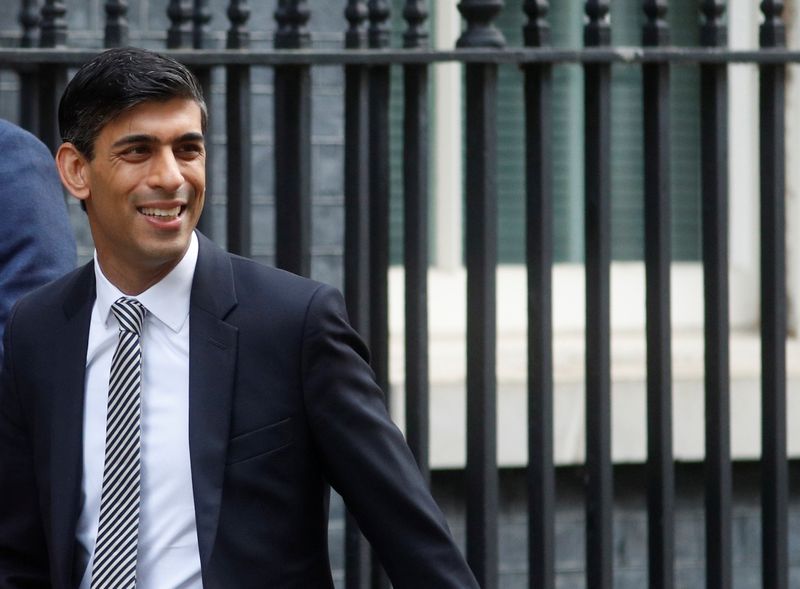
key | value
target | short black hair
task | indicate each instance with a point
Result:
(115, 81)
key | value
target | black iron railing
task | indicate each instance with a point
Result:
(367, 62)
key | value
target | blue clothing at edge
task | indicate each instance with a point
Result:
(36, 240)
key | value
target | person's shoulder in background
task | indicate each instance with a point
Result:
(37, 244)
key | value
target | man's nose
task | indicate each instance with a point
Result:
(165, 172)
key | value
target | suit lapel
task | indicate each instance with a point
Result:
(212, 364)
(66, 442)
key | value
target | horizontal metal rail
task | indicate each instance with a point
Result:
(11, 57)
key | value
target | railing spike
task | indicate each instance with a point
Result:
(54, 24)
(537, 30)
(292, 17)
(655, 31)
(597, 31)
(713, 32)
(179, 34)
(238, 34)
(773, 30)
(379, 13)
(29, 19)
(116, 33)
(480, 32)
(356, 14)
(415, 13)
(201, 19)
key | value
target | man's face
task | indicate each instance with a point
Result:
(146, 187)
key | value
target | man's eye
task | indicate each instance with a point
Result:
(190, 150)
(136, 150)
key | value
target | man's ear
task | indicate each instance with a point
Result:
(74, 170)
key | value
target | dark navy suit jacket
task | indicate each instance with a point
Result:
(36, 242)
(282, 403)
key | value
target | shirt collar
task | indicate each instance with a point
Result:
(167, 300)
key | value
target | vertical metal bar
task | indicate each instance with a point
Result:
(415, 13)
(239, 141)
(116, 32)
(379, 196)
(356, 272)
(714, 175)
(379, 92)
(292, 143)
(54, 24)
(179, 34)
(356, 240)
(52, 78)
(29, 20)
(29, 87)
(356, 176)
(481, 260)
(481, 254)
(238, 35)
(201, 30)
(415, 242)
(293, 168)
(774, 466)
(657, 247)
(201, 39)
(539, 257)
(599, 491)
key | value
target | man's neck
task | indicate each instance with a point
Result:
(133, 281)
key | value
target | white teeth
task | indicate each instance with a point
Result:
(173, 212)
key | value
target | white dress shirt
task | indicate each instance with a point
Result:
(168, 554)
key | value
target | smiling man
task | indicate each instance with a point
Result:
(171, 415)
(142, 188)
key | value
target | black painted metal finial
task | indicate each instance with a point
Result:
(773, 30)
(655, 31)
(201, 32)
(537, 30)
(54, 24)
(379, 13)
(116, 34)
(356, 14)
(29, 20)
(238, 35)
(179, 34)
(597, 31)
(292, 17)
(416, 13)
(713, 32)
(480, 32)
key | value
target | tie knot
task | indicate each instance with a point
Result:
(129, 314)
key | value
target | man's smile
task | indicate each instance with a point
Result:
(170, 213)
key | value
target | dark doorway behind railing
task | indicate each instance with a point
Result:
(43, 61)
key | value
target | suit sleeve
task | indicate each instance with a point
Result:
(36, 241)
(367, 459)
(23, 553)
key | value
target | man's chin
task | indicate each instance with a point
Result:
(166, 252)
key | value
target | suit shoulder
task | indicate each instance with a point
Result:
(53, 294)
(277, 283)
(252, 288)
(13, 136)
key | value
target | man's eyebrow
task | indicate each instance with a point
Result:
(143, 138)
(129, 139)
(191, 136)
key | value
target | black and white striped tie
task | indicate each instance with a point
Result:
(114, 564)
